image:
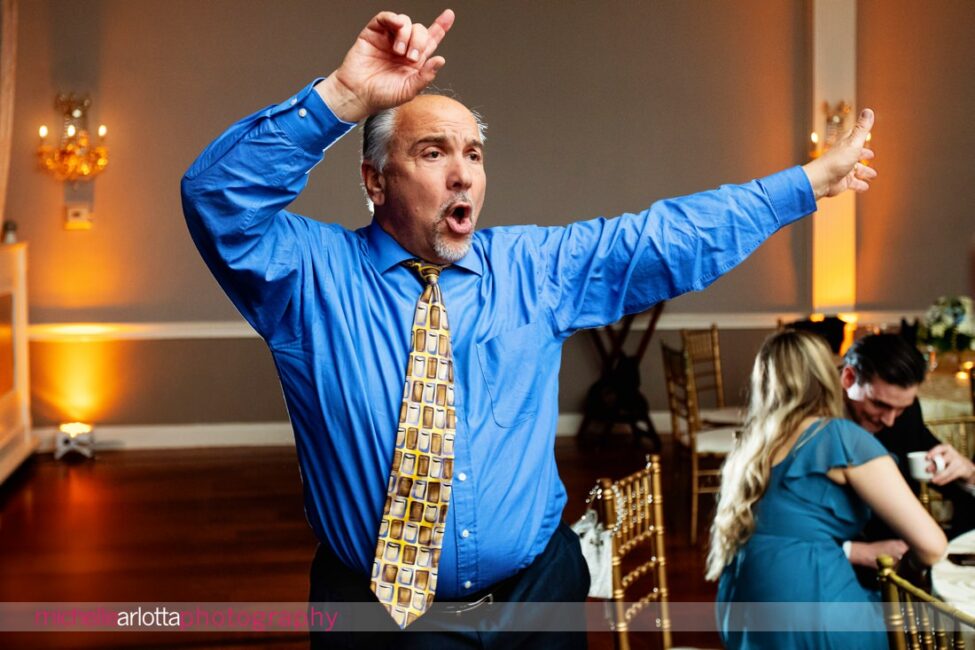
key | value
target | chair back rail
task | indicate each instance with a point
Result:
(916, 619)
(633, 506)
(959, 432)
(704, 351)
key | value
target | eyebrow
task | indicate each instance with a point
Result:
(442, 140)
(883, 404)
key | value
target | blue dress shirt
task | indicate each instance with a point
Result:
(335, 307)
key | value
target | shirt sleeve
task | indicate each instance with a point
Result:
(235, 193)
(599, 270)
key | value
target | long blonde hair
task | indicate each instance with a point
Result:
(793, 378)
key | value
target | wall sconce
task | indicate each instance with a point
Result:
(835, 128)
(75, 157)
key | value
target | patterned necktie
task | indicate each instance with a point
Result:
(404, 573)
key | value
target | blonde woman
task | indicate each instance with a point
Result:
(801, 481)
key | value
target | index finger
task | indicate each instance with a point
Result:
(438, 29)
(397, 27)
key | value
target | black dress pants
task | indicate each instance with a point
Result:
(558, 577)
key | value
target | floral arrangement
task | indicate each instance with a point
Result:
(949, 324)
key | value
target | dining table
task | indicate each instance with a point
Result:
(945, 394)
(955, 584)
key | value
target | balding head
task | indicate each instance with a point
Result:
(377, 130)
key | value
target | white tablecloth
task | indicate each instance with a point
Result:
(944, 396)
(953, 583)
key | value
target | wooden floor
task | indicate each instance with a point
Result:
(224, 525)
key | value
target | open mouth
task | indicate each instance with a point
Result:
(458, 218)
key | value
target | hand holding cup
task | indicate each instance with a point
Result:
(921, 466)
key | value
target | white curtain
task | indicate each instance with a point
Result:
(8, 69)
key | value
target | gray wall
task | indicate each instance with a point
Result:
(917, 67)
(594, 108)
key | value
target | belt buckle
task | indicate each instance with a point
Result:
(469, 607)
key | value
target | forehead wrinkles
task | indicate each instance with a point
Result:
(432, 117)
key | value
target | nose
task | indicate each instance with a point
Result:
(459, 175)
(888, 418)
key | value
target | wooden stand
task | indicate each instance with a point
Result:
(616, 397)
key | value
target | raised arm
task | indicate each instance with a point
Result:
(236, 192)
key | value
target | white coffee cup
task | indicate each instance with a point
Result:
(919, 465)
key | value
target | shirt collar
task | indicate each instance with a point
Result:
(385, 252)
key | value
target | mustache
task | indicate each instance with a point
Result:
(459, 197)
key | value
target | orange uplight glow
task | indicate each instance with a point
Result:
(77, 369)
(849, 329)
(75, 380)
(77, 331)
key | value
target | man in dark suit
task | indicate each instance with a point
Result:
(880, 377)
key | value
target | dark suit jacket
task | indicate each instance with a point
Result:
(906, 435)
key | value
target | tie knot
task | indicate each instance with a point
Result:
(429, 273)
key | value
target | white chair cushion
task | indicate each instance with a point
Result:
(727, 415)
(716, 441)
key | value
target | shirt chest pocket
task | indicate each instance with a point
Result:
(509, 364)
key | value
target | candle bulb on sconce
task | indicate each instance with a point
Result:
(814, 150)
(42, 132)
(867, 145)
(102, 131)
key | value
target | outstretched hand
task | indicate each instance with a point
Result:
(389, 64)
(840, 169)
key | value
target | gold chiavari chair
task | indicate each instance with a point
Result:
(704, 349)
(916, 619)
(703, 446)
(633, 507)
(959, 432)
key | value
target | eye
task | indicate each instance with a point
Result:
(432, 154)
(475, 156)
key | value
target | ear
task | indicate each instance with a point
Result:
(374, 182)
(848, 377)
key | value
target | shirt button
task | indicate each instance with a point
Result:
(294, 100)
(467, 585)
(465, 533)
(462, 476)
(302, 112)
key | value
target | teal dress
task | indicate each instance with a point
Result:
(790, 585)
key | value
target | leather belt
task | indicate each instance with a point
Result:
(461, 608)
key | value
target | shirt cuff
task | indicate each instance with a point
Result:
(791, 195)
(308, 121)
